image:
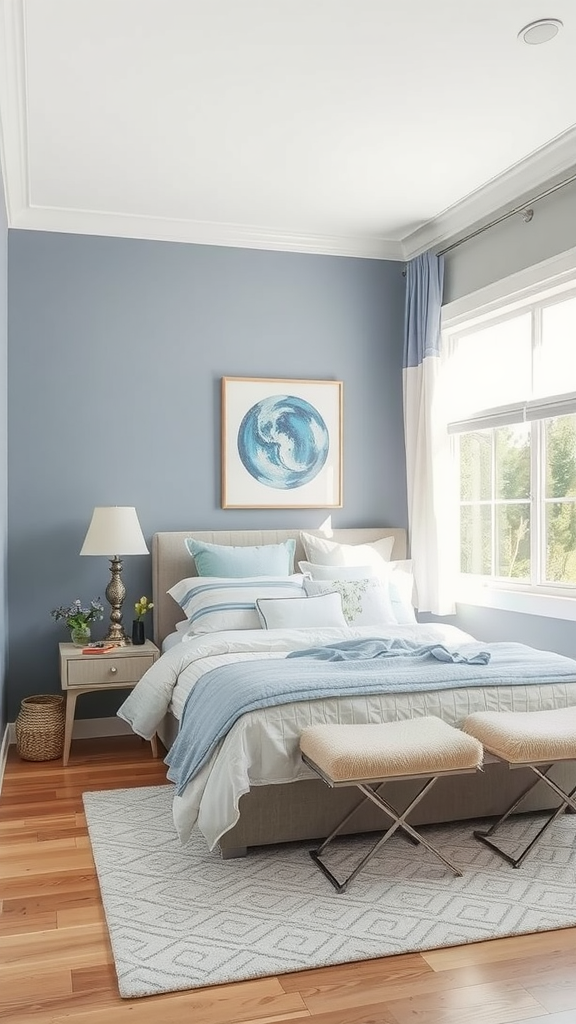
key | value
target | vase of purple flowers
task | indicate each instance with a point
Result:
(78, 618)
(80, 635)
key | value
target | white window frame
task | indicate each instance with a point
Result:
(547, 282)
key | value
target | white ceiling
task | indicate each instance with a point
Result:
(362, 127)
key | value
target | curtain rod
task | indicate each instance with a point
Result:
(523, 208)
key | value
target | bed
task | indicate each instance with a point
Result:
(274, 798)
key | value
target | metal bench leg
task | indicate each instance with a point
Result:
(399, 822)
(567, 801)
(350, 815)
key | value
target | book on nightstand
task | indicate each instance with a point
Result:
(98, 648)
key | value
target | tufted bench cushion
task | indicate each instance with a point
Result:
(533, 741)
(524, 737)
(416, 746)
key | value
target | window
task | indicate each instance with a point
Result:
(512, 413)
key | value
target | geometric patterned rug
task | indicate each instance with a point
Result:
(179, 917)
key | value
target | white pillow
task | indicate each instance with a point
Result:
(364, 602)
(335, 572)
(400, 581)
(212, 603)
(328, 552)
(396, 576)
(324, 610)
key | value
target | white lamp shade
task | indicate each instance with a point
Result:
(113, 531)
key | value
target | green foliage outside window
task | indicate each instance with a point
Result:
(560, 443)
(495, 490)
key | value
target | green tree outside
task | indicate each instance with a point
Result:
(495, 477)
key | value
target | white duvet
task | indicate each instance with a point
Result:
(262, 748)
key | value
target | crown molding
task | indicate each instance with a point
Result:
(88, 222)
(507, 189)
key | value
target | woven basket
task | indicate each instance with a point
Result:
(40, 727)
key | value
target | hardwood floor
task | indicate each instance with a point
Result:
(56, 965)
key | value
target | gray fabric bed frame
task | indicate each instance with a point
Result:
(308, 809)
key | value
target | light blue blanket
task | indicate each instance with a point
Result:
(363, 650)
(357, 667)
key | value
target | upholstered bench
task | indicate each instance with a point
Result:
(367, 756)
(527, 739)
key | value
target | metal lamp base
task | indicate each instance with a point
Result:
(112, 637)
(115, 594)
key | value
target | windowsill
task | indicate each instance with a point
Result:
(548, 605)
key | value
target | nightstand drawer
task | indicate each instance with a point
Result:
(106, 668)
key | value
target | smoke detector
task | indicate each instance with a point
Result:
(541, 31)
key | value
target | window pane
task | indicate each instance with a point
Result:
(476, 466)
(560, 516)
(513, 541)
(557, 364)
(561, 542)
(513, 461)
(476, 539)
(491, 367)
(560, 449)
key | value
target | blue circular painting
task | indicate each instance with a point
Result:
(283, 442)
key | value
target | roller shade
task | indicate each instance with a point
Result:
(500, 417)
(556, 405)
(518, 412)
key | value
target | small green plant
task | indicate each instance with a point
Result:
(141, 607)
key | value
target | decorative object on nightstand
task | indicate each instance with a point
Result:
(78, 618)
(118, 669)
(141, 607)
(40, 727)
(114, 531)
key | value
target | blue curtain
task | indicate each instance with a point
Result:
(424, 286)
(429, 470)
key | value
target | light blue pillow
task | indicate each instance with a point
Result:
(225, 560)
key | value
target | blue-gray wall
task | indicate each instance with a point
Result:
(3, 452)
(117, 348)
(513, 245)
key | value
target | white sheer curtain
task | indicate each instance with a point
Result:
(432, 507)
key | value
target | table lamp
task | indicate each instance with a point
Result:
(114, 532)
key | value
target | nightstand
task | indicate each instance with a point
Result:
(119, 669)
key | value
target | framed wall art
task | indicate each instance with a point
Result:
(281, 443)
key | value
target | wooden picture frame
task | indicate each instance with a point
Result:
(281, 443)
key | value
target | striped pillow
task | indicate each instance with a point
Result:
(213, 603)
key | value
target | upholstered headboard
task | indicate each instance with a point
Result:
(171, 561)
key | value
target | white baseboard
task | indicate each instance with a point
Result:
(4, 753)
(85, 728)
